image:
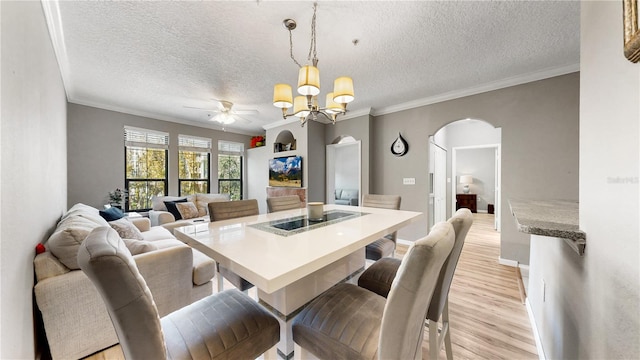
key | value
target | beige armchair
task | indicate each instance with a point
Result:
(379, 278)
(225, 210)
(280, 203)
(351, 322)
(385, 246)
(226, 325)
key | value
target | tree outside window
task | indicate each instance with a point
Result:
(230, 176)
(146, 154)
(194, 161)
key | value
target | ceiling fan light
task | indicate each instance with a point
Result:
(300, 106)
(225, 118)
(309, 80)
(331, 106)
(282, 96)
(343, 90)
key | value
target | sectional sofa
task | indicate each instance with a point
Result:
(75, 319)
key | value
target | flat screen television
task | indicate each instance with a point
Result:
(285, 171)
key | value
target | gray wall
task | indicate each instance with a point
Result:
(539, 122)
(592, 306)
(479, 163)
(34, 165)
(96, 151)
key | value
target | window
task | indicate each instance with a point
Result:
(194, 156)
(230, 169)
(146, 154)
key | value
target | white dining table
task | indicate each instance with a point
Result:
(290, 267)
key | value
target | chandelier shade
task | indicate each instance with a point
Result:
(309, 80)
(343, 90)
(282, 97)
(306, 106)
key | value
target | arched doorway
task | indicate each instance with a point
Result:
(473, 150)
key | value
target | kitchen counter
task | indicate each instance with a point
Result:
(552, 218)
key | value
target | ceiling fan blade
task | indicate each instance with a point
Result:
(205, 109)
(245, 112)
(245, 120)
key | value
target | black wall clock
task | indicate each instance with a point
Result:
(399, 146)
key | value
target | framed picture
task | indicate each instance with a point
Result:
(285, 171)
(631, 30)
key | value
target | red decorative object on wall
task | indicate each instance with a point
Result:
(257, 141)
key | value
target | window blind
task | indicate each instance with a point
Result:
(230, 148)
(193, 143)
(145, 138)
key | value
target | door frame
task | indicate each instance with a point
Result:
(498, 178)
(330, 172)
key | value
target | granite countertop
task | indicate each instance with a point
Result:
(554, 218)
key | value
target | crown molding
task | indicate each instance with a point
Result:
(212, 125)
(51, 11)
(354, 114)
(496, 85)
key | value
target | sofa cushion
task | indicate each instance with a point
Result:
(187, 210)
(349, 194)
(139, 246)
(173, 209)
(87, 212)
(157, 202)
(66, 240)
(204, 268)
(112, 213)
(203, 199)
(157, 233)
(126, 229)
(338, 193)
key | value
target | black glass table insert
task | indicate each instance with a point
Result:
(298, 224)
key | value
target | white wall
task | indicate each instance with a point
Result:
(481, 164)
(34, 165)
(592, 307)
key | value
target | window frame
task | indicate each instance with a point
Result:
(146, 145)
(195, 148)
(229, 148)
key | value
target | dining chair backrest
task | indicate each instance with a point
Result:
(105, 259)
(223, 210)
(411, 291)
(461, 221)
(280, 203)
(391, 202)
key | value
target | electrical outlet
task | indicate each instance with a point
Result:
(408, 181)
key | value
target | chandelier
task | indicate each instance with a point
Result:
(306, 105)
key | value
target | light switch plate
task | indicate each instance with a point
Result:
(408, 181)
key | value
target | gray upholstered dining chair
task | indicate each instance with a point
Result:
(224, 210)
(387, 245)
(225, 325)
(350, 322)
(379, 277)
(280, 203)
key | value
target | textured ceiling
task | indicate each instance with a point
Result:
(155, 58)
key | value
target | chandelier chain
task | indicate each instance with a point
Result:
(312, 46)
(291, 49)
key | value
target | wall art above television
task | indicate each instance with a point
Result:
(285, 171)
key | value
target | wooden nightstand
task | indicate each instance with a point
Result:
(468, 201)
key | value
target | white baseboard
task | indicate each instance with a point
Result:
(507, 262)
(534, 329)
(482, 211)
(524, 270)
(404, 242)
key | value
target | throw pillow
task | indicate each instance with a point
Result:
(126, 229)
(187, 210)
(112, 213)
(139, 246)
(171, 207)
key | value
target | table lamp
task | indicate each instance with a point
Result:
(466, 180)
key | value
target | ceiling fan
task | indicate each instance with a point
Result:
(225, 114)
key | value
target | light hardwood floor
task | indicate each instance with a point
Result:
(487, 318)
